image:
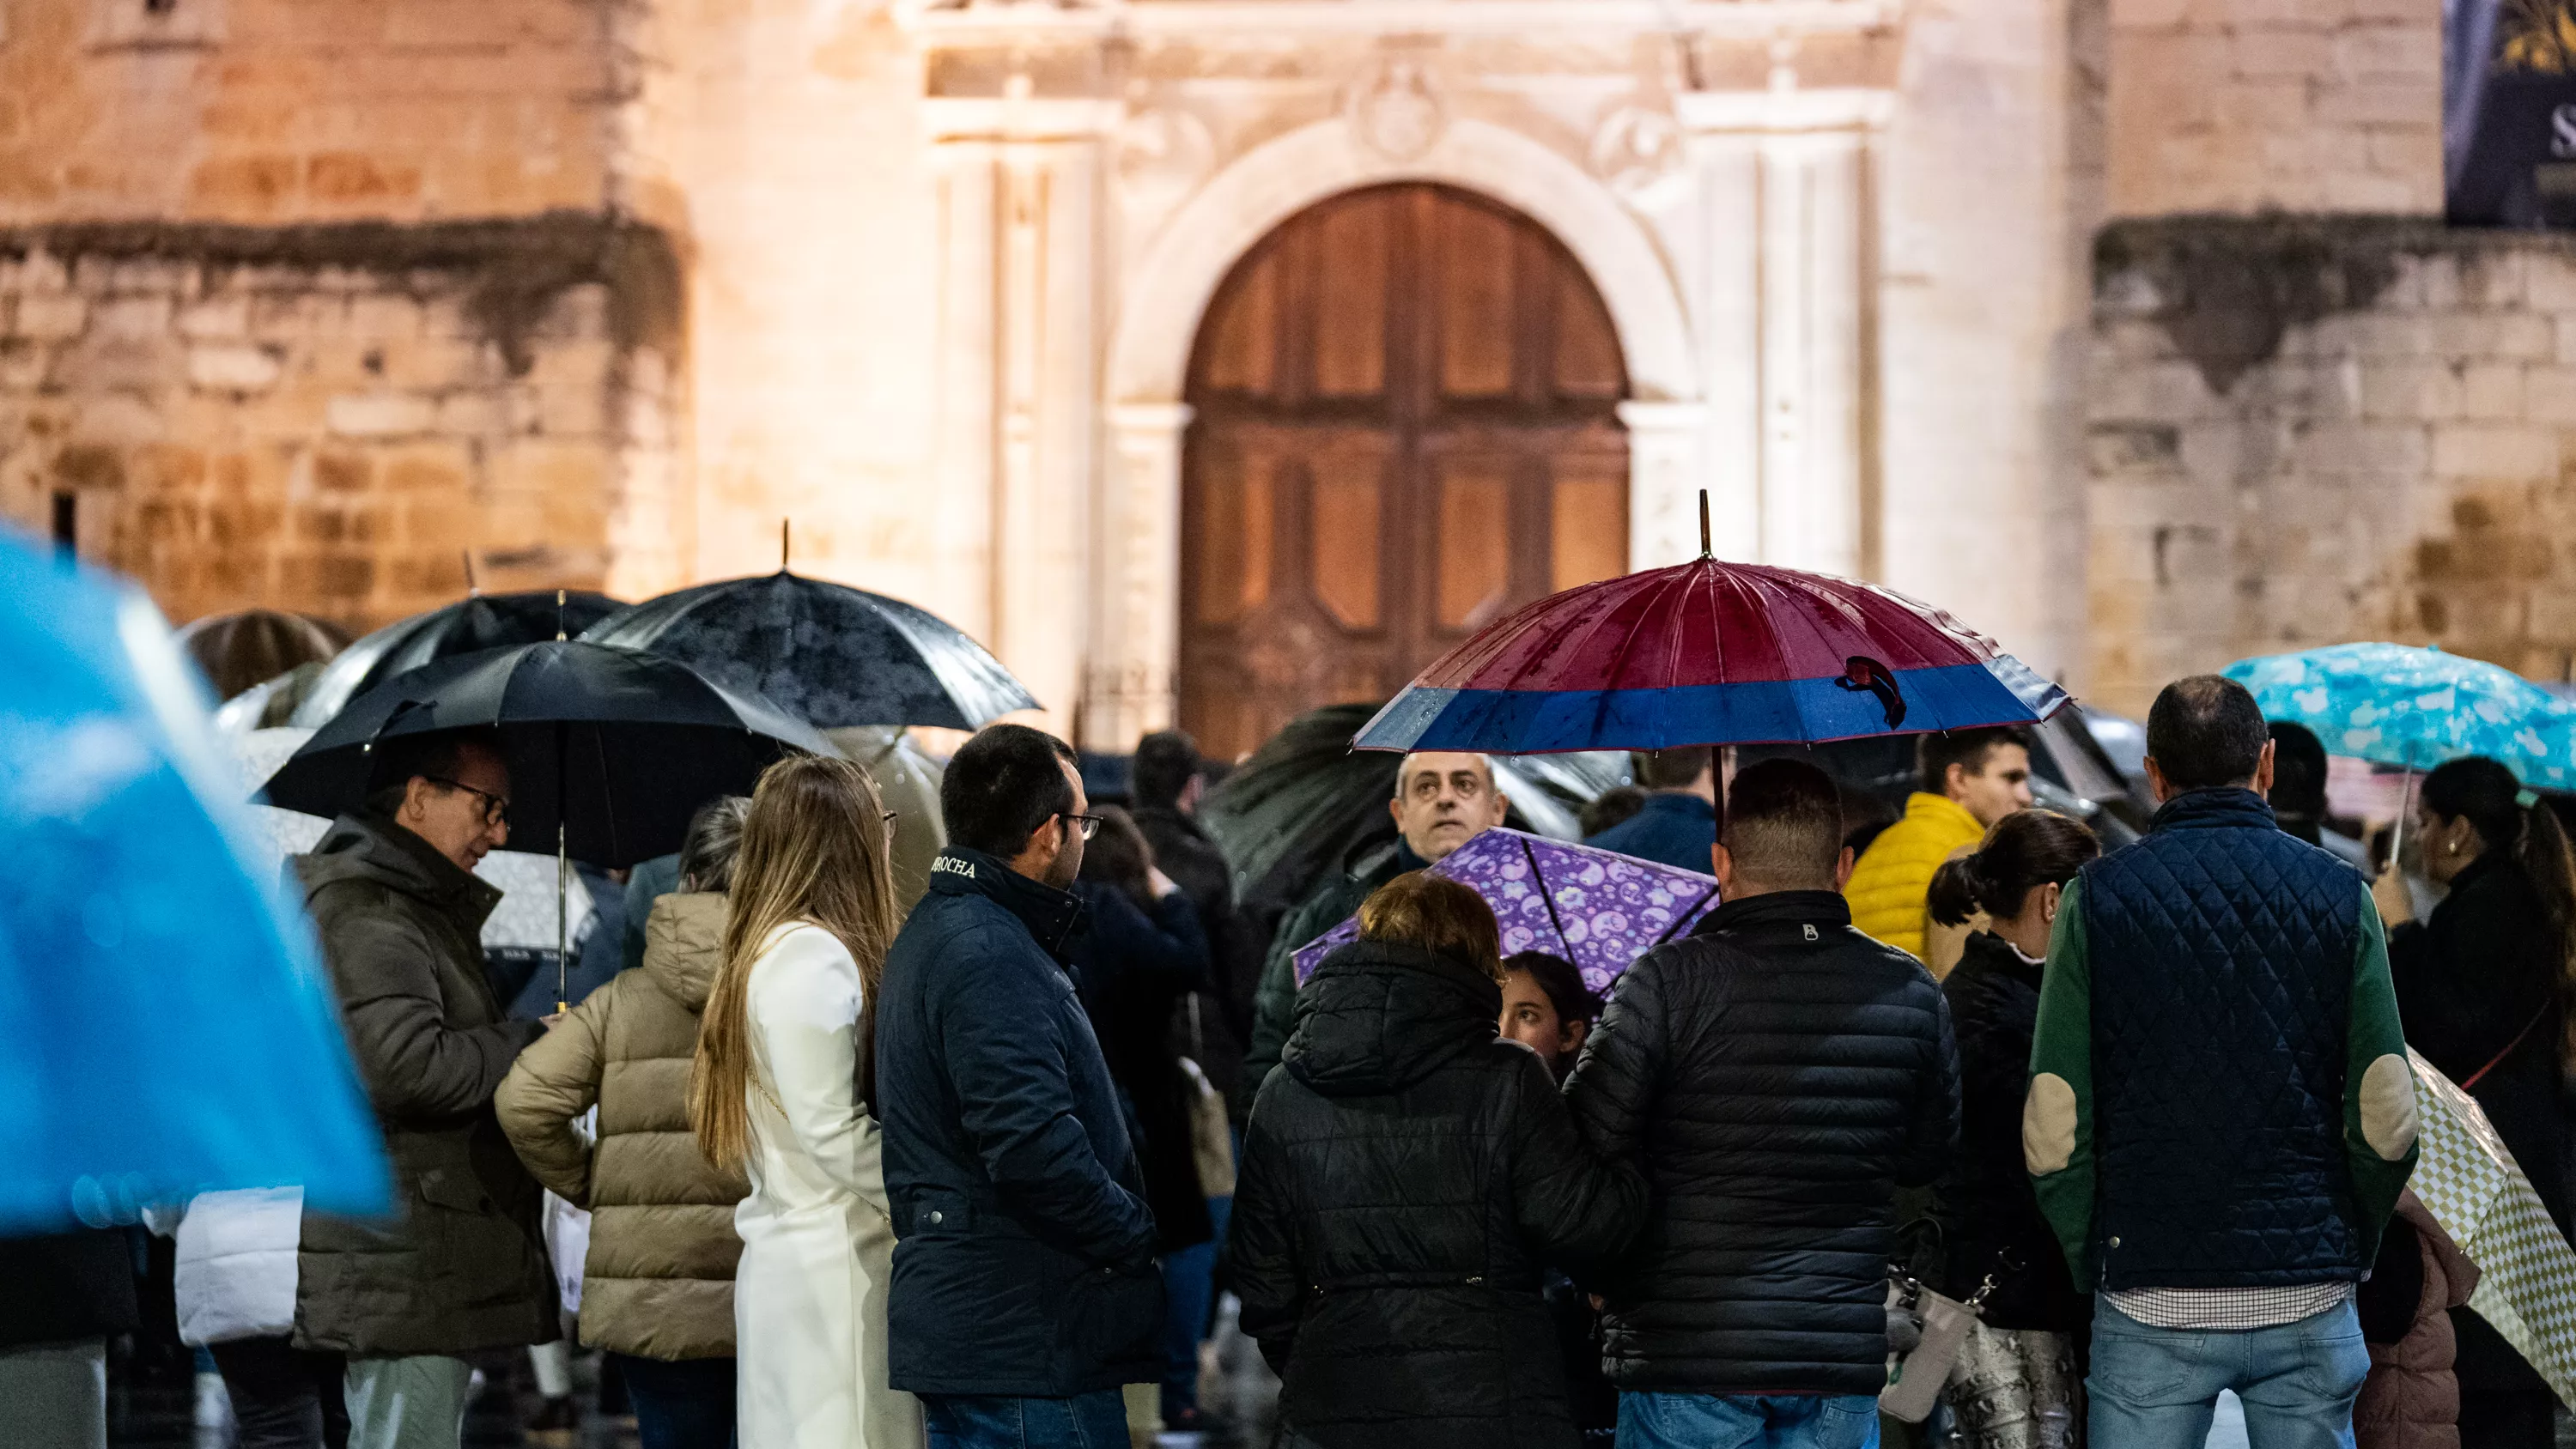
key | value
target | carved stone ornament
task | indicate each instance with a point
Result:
(1396, 115)
(1162, 155)
(1637, 151)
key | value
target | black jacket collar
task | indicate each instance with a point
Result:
(1986, 953)
(2228, 807)
(1049, 914)
(1779, 908)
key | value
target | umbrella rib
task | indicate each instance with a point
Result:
(1546, 896)
(1683, 917)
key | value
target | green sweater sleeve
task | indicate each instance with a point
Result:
(2379, 1087)
(2057, 1116)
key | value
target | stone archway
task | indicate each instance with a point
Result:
(1165, 289)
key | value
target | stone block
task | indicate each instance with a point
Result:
(2428, 391)
(2492, 391)
(2379, 100)
(2549, 393)
(2495, 452)
(381, 414)
(2301, 51)
(2384, 49)
(23, 362)
(478, 413)
(226, 317)
(233, 366)
(51, 316)
(383, 317)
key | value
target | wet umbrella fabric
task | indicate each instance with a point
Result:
(830, 654)
(170, 1031)
(469, 626)
(2396, 705)
(2526, 1270)
(619, 746)
(1595, 908)
(1710, 653)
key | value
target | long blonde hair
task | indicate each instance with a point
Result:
(813, 850)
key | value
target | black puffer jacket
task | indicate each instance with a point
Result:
(1995, 1225)
(1779, 1073)
(1403, 1180)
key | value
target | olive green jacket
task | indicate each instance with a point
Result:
(461, 1263)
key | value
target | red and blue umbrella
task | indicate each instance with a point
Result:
(1710, 653)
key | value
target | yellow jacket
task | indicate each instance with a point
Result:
(1888, 886)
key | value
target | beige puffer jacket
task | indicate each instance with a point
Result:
(659, 1280)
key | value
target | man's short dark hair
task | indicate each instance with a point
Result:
(1002, 785)
(1672, 769)
(1784, 824)
(1968, 749)
(2206, 732)
(440, 755)
(2298, 771)
(1165, 761)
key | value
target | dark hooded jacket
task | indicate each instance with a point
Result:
(462, 1264)
(1995, 1226)
(1405, 1177)
(1335, 899)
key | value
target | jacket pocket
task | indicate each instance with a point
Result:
(455, 1191)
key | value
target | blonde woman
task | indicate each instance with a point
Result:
(782, 1058)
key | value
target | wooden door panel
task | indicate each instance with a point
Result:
(1405, 424)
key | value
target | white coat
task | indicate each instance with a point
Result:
(235, 1270)
(817, 1240)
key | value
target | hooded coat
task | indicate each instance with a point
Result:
(659, 1279)
(462, 1264)
(2412, 1399)
(1405, 1177)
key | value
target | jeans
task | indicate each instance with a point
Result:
(407, 1403)
(1096, 1420)
(1189, 1288)
(680, 1404)
(284, 1397)
(1747, 1421)
(2156, 1388)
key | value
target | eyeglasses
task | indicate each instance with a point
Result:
(496, 808)
(890, 817)
(1089, 825)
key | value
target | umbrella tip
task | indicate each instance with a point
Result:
(782, 545)
(473, 590)
(1703, 525)
(559, 616)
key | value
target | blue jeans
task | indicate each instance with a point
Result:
(680, 1404)
(1189, 1287)
(1097, 1420)
(1747, 1421)
(2156, 1388)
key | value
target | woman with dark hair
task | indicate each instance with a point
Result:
(1547, 1008)
(2482, 987)
(1143, 952)
(2014, 1384)
(1407, 1176)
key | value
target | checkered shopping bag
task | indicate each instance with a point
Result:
(2526, 1270)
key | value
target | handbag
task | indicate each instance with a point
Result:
(1924, 1332)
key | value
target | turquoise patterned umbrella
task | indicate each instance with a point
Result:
(2395, 705)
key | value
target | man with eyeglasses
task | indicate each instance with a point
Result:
(1024, 1292)
(1442, 801)
(459, 1267)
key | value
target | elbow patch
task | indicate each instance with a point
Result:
(2388, 1107)
(2048, 1125)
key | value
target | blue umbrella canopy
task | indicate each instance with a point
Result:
(170, 1030)
(830, 654)
(2393, 704)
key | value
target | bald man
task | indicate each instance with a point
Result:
(1441, 802)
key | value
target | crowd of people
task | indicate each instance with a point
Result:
(967, 1170)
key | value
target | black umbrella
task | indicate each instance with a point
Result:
(483, 621)
(836, 655)
(610, 750)
(243, 648)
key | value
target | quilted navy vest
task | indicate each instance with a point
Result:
(2222, 956)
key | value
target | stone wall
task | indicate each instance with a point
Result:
(2295, 105)
(2307, 430)
(333, 418)
(279, 110)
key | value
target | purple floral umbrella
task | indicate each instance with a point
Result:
(1596, 908)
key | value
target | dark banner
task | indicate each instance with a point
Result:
(2509, 112)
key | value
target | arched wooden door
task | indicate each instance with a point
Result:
(1405, 424)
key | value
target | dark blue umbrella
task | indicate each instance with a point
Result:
(169, 1029)
(835, 655)
(469, 626)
